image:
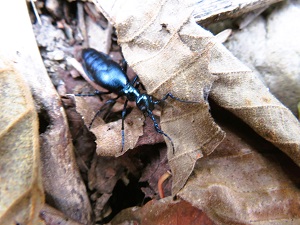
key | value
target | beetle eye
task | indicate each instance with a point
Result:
(142, 107)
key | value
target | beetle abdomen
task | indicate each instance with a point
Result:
(102, 70)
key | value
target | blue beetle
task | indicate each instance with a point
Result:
(105, 72)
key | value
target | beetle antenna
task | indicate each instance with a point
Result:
(158, 130)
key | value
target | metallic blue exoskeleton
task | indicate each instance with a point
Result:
(102, 70)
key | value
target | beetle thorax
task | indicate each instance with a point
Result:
(145, 102)
(131, 93)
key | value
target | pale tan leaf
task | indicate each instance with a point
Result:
(186, 124)
(241, 92)
(21, 191)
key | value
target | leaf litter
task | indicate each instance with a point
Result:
(149, 35)
(170, 74)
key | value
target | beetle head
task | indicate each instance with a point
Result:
(145, 103)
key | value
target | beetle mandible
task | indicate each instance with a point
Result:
(105, 72)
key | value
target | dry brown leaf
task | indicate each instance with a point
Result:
(21, 191)
(61, 179)
(240, 184)
(108, 135)
(171, 53)
(110, 144)
(194, 134)
(241, 92)
(163, 212)
(83, 108)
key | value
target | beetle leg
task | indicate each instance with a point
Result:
(111, 101)
(124, 64)
(96, 92)
(158, 130)
(134, 80)
(173, 97)
(136, 83)
(102, 93)
(123, 118)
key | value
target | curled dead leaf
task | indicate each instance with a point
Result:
(21, 191)
(247, 97)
